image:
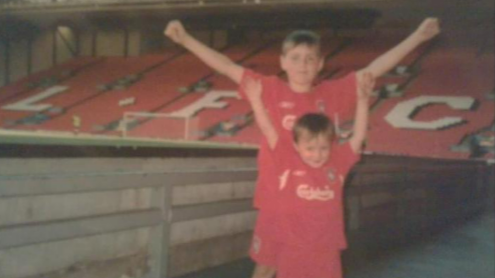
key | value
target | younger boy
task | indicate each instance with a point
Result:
(309, 219)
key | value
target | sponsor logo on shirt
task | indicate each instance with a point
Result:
(299, 173)
(286, 104)
(306, 192)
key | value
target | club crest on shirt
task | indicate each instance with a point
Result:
(331, 174)
(320, 104)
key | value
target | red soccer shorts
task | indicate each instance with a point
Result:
(265, 248)
(296, 263)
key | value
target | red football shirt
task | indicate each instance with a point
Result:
(310, 200)
(335, 98)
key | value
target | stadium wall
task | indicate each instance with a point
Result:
(26, 55)
(65, 44)
(18, 59)
(196, 204)
(153, 39)
(31, 53)
(134, 42)
(3, 64)
(70, 191)
(42, 55)
(110, 43)
(491, 187)
(58, 44)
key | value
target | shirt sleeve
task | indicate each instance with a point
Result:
(345, 157)
(245, 75)
(269, 96)
(284, 153)
(340, 96)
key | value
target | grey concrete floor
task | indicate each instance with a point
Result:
(464, 251)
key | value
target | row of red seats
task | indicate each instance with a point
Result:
(445, 70)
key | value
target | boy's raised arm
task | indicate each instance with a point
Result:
(253, 89)
(428, 29)
(365, 87)
(215, 60)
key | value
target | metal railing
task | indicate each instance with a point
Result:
(33, 4)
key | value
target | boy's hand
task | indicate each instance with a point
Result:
(253, 89)
(428, 29)
(175, 31)
(365, 86)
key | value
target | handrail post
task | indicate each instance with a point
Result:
(160, 235)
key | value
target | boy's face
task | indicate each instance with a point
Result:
(302, 64)
(314, 151)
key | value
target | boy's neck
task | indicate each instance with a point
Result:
(301, 89)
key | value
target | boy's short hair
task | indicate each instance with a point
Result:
(313, 125)
(299, 37)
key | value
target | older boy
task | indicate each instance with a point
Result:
(309, 226)
(302, 61)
